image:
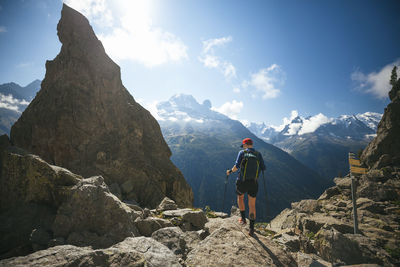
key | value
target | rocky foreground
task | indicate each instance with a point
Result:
(325, 226)
(68, 220)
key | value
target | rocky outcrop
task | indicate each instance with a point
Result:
(84, 119)
(43, 205)
(230, 245)
(325, 226)
(384, 148)
(138, 251)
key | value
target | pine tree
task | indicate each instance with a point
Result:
(395, 84)
(393, 77)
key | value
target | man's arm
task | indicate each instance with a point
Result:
(237, 163)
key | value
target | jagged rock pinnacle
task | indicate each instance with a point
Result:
(85, 120)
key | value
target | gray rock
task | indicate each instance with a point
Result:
(343, 183)
(146, 213)
(289, 241)
(58, 241)
(333, 246)
(149, 225)
(188, 219)
(172, 238)
(167, 204)
(286, 219)
(197, 219)
(229, 245)
(116, 190)
(220, 214)
(310, 260)
(306, 206)
(330, 192)
(128, 186)
(139, 251)
(92, 211)
(176, 213)
(40, 237)
(383, 161)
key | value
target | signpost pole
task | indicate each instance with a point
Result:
(353, 196)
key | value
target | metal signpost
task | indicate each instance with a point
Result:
(355, 168)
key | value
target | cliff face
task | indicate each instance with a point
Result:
(85, 120)
(384, 150)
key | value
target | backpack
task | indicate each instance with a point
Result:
(250, 165)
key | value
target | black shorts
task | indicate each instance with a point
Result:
(249, 186)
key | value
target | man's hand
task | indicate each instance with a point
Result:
(228, 172)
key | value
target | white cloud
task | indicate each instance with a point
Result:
(293, 128)
(133, 35)
(3, 29)
(375, 83)
(211, 43)
(11, 103)
(307, 125)
(230, 109)
(210, 60)
(236, 90)
(24, 64)
(313, 123)
(286, 121)
(267, 81)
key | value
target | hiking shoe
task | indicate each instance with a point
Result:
(242, 222)
(251, 232)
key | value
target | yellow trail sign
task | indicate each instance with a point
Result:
(358, 170)
(355, 162)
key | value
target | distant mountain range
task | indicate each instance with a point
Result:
(13, 101)
(205, 143)
(319, 142)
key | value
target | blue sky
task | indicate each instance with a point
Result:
(255, 60)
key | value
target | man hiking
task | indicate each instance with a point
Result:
(250, 163)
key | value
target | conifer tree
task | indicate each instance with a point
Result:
(393, 77)
(395, 84)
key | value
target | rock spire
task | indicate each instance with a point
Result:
(85, 120)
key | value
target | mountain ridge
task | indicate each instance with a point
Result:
(205, 143)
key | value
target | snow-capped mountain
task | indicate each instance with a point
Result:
(262, 130)
(359, 127)
(184, 108)
(13, 101)
(320, 142)
(204, 143)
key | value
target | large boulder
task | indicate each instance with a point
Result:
(167, 204)
(151, 224)
(94, 216)
(84, 119)
(139, 251)
(190, 220)
(350, 249)
(173, 238)
(43, 205)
